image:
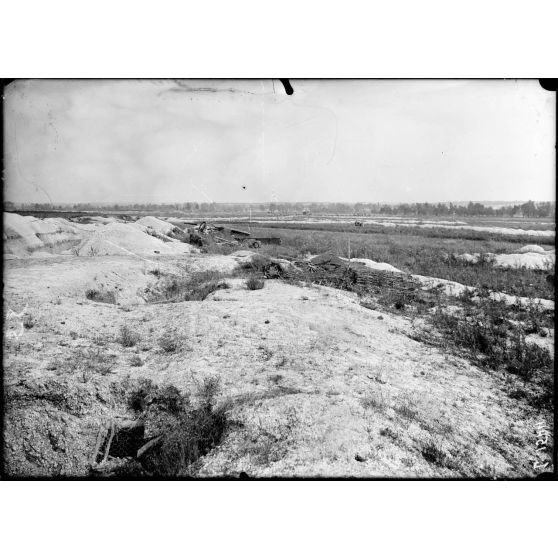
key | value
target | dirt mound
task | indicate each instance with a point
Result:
(532, 248)
(122, 238)
(24, 230)
(162, 227)
(379, 266)
(529, 257)
(27, 235)
(529, 260)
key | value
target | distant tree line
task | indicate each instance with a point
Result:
(528, 209)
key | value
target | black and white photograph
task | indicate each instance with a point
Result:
(278, 279)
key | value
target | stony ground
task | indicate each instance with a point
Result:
(318, 384)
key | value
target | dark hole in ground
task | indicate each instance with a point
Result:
(127, 441)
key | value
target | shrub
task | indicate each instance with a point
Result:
(434, 453)
(105, 296)
(493, 341)
(128, 337)
(254, 283)
(28, 321)
(406, 410)
(141, 395)
(269, 444)
(193, 434)
(135, 360)
(183, 433)
(88, 362)
(257, 263)
(170, 341)
(374, 401)
(209, 390)
(180, 289)
(388, 433)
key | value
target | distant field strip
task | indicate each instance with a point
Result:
(424, 225)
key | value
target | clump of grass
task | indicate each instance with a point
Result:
(434, 453)
(269, 444)
(388, 433)
(281, 361)
(254, 283)
(170, 341)
(97, 295)
(128, 337)
(183, 433)
(406, 410)
(88, 363)
(99, 361)
(493, 341)
(257, 264)
(141, 395)
(145, 393)
(420, 251)
(374, 401)
(209, 389)
(197, 286)
(155, 271)
(265, 352)
(136, 361)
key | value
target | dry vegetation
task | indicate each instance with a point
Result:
(282, 377)
(416, 251)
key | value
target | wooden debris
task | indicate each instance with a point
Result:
(146, 447)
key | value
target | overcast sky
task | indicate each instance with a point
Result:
(348, 141)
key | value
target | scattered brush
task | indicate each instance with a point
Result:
(374, 401)
(268, 444)
(406, 410)
(128, 337)
(257, 264)
(136, 361)
(254, 283)
(432, 450)
(182, 433)
(197, 286)
(85, 363)
(209, 389)
(108, 297)
(492, 341)
(170, 341)
(388, 433)
(98, 361)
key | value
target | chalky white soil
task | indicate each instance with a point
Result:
(320, 386)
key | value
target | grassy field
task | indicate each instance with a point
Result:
(419, 254)
(445, 233)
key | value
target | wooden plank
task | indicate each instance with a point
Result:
(149, 445)
(107, 449)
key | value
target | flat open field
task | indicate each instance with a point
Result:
(230, 370)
